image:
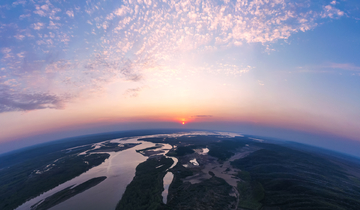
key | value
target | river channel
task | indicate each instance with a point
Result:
(119, 169)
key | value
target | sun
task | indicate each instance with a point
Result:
(183, 123)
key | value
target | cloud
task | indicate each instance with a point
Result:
(139, 36)
(11, 100)
(343, 66)
(23, 2)
(37, 26)
(70, 13)
(330, 68)
(201, 116)
(132, 92)
(53, 25)
(331, 12)
(19, 36)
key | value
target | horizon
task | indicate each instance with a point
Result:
(291, 136)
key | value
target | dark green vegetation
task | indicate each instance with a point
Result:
(209, 194)
(296, 180)
(180, 172)
(225, 149)
(181, 151)
(29, 179)
(273, 177)
(251, 192)
(67, 193)
(144, 192)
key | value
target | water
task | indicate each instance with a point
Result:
(167, 181)
(119, 169)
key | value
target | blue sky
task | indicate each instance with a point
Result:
(277, 63)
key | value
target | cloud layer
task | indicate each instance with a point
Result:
(53, 48)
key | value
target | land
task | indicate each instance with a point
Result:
(29, 179)
(212, 193)
(114, 147)
(201, 181)
(294, 179)
(66, 193)
(26, 173)
(144, 192)
(212, 172)
(151, 150)
(248, 173)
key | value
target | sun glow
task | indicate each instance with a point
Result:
(183, 123)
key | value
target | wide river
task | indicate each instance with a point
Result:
(119, 169)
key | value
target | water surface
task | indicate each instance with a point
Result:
(167, 181)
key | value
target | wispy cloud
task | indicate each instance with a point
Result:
(201, 116)
(330, 68)
(132, 92)
(343, 66)
(11, 100)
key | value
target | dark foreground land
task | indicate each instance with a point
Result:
(272, 177)
(236, 173)
(212, 193)
(144, 192)
(28, 172)
(31, 178)
(66, 193)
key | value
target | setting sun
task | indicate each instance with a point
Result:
(183, 123)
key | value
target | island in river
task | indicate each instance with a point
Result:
(66, 194)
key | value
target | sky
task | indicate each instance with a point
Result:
(260, 66)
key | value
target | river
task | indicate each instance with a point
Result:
(119, 169)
